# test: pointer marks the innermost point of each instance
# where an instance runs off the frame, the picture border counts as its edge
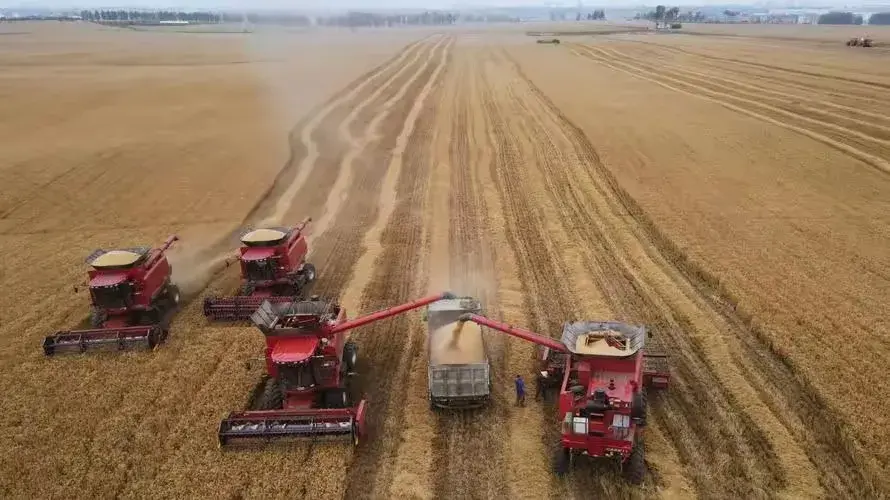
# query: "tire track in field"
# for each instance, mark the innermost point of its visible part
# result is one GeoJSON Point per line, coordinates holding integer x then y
{"type": "Point", "coordinates": [389, 258]}
{"type": "Point", "coordinates": [784, 100]}
{"type": "Point", "coordinates": [819, 85]}
{"type": "Point", "coordinates": [338, 192]}
{"type": "Point", "coordinates": [841, 471]}
{"type": "Point", "coordinates": [774, 68]}
{"type": "Point", "coordinates": [308, 144]}
{"type": "Point", "coordinates": [468, 268]}
{"type": "Point", "coordinates": [758, 90]}
{"type": "Point", "coordinates": [841, 133]}
{"type": "Point", "coordinates": [874, 161]}
{"type": "Point", "coordinates": [337, 252]}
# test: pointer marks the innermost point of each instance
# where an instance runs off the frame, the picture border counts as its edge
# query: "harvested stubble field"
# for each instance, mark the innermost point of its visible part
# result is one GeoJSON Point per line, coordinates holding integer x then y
{"type": "Point", "coordinates": [732, 196]}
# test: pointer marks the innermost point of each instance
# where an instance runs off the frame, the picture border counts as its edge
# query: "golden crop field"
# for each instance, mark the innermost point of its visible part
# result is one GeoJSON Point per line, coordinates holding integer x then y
{"type": "Point", "coordinates": [730, 192]}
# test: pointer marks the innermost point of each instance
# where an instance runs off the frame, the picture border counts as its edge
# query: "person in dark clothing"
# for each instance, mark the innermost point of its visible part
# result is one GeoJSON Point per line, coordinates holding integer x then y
{"type": "Point", "coordinates": [520, 391]}
{"type": "Point", "coordinates": [541, 381]}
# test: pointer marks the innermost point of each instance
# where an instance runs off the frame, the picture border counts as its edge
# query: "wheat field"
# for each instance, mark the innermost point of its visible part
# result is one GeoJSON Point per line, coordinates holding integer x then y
{"type": "Point", "coordinates": [730, 192]}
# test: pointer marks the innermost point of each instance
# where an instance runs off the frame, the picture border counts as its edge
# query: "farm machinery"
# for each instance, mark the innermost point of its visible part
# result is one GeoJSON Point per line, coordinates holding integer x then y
{"type": "Point", "coordinates": [860, 42]}
{"type": "Point", "coordinates": [554, 41]}
{"type": "Point", "coordinates": [601, 369]}
{"type": "Point", "coordinates": [273, 267]}
{"type": "Point", "coordinates": [132, 301]}
{"type": "Point", "coordinates": [310, 363]}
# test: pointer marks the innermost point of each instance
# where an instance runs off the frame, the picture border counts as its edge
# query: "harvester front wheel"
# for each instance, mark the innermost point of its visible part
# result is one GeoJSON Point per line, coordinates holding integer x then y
{"type": "Point", "coordinates": [336, 398]}
{"type": "Point", "coordinates": [271, 397]}
{"type": "Point", "coordinates": [173, 294]}
{"type": "Point", "coordinates": [97, 317]}
{"type": "Point", "coordinates": [350, 355]}
{"type": "Point", "coordinates": [309, 271]}
{"type": "Point", "coordinates": [635, 467]}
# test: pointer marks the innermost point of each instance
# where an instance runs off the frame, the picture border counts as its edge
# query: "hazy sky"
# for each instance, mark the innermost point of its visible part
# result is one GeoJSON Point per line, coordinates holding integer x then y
{"type": "Point", "coordinates": [342, 4]}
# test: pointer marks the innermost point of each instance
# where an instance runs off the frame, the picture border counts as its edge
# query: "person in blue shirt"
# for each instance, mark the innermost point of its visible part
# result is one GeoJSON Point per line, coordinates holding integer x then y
{"type": "Point", "coordinates": [520, 391]}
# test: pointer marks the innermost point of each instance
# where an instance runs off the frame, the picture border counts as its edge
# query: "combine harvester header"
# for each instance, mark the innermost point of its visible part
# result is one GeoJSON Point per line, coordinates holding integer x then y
{"type": "Point", "coordinates": [273, 267]}
{"type": "Point", "coordinates": [132, 300]}
{"type": "Point", "coordinates": [310, 365]}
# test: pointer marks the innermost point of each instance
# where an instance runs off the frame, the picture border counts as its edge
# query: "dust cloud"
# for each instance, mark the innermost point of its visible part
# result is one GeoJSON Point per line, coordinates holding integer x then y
{"type": "Point", "coordinates": [193, 269]}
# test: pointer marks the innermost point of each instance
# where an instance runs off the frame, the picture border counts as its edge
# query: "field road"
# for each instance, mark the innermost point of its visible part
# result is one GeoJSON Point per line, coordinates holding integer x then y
{"type": "Point", "coordinates": [736, 203]}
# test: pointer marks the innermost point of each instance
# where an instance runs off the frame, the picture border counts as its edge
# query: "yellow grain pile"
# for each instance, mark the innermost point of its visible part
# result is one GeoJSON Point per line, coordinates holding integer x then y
{"type": "Point", "coordinates": [456, 343]}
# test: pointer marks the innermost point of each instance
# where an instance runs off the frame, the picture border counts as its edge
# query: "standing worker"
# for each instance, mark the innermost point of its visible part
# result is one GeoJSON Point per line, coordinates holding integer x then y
{"type": "Point", "coordinates": [520, 391]}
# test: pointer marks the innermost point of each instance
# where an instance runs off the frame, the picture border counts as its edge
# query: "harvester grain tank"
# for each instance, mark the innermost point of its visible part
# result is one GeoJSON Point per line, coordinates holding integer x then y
{"type": "Point", "coordinates": [310, 363]}
{"type": "Point", "coordinates": [273, 267]}
{"type": "Point", "coordinates": [604, 369]}
{"type": "Point", "coordinates": [132, 301]}
{"type": "Point", "coordinates": [459, 372]}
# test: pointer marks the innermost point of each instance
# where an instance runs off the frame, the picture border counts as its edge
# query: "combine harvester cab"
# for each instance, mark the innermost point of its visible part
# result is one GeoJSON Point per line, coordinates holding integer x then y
{"type": "Point", "coordinates": [602, 370]}
{"type": "Point", "coordinates": [310, 365]}
{"type": "Point", "coordinates": [459, 372]}
{"type": "Point", "coordinates": [273, 267]}
{"type": "Point", "coordinates": [132, 301]}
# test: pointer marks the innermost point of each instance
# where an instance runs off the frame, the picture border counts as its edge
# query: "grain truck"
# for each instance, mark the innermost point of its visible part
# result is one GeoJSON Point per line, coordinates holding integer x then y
{"type": "Point", "coordinates": [459, 372]}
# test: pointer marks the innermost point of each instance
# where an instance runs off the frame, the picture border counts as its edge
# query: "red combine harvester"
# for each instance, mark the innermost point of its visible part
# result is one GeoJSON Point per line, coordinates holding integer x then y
{"type": "Point", "coordinates": [273, 267]}
{"type": "Point", "coordinates": [132, 297]}
{"type": "Point", "coordinates": [603, 369]}
{"type": "Point", "coordinates": [310, 363]}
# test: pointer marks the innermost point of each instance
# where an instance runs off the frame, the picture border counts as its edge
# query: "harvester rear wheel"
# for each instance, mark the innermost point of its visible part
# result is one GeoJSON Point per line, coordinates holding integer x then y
{"type": "Point", "coordinates": [173, 294]}
{"type": "Point", "coordinates": [271, 397]}
{"type": "Point", "coordinates": [635, 467]}
{"type": "Point", "coordinates": [562, 461]}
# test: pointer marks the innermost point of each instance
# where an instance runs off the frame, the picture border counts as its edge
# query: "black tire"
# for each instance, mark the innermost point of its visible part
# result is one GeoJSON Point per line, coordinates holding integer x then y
{"type": "Point", "coordinates": [336, 398]}
{"type": "Point", "coordinates": [635, 466]}
{"type": "Point", "coordinates": [639, 407]}
{"type": "Point", "coordinates": [350, 355]}
{"type": "Point", "coordinates": [562, 461]}
{"type": "Point", "coordinates": [309, 272]}
{"type": "Point", "coordinates": [271, 397]}
{"type": "Point", "coordinates": [97, 318]}
{"type": "Point", "coordinates": [174, 295]}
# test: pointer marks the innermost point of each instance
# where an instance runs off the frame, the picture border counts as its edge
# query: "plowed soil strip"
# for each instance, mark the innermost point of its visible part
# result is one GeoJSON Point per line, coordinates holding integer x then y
{"type": "Point", "coordinates": [390, 254]}
{"type": "Point", "coordinates": [791, 402]}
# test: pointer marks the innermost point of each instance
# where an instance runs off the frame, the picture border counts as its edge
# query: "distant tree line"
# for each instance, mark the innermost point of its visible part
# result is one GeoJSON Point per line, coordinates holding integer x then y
{"type": "Point", "coordinates": [365, 19]}
{"type": "Point", "coordinates": [593, 16]}
{"type": "Point", "coordinates": [840, 18]}
{"type": "Point", "coordinates": [662, 16]}
{"type": "Point", "coordinates": [880, 19]}
{"type": "Point", "coordinates": [350, 19]}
